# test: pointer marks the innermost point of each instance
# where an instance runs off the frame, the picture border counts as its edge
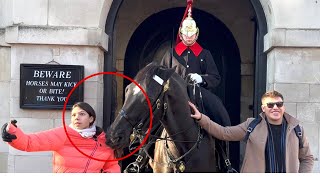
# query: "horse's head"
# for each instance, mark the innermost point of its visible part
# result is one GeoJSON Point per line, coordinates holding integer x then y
{"type": "Point", "coordinates": [134, 114]}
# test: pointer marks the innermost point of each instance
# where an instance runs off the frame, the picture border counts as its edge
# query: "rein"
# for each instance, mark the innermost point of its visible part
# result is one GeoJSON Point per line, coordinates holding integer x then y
{"type": "Point", "coordinates": [175, 163]}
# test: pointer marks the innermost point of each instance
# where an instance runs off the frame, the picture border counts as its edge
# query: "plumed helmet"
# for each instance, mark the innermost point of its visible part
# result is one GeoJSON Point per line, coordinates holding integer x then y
{"type": "Point", "coordinates": [189, 26]}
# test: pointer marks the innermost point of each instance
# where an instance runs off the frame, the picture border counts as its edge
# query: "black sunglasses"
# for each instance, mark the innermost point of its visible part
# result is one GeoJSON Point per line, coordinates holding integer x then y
{"type": "Point", "coordinates": [271, 104]}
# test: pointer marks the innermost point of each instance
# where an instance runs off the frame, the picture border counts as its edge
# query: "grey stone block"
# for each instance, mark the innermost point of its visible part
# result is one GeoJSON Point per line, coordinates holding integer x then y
{"type": "Point", "coordinates": [293, 92]}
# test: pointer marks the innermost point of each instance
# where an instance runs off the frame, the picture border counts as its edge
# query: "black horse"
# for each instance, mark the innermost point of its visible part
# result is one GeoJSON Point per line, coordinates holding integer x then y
{"type": "Point", "coordinates": [183, 146]}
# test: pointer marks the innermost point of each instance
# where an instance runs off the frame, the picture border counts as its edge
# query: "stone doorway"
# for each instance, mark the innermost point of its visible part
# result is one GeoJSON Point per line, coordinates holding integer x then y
{"type": "Point", "coordinates": [142, 31]}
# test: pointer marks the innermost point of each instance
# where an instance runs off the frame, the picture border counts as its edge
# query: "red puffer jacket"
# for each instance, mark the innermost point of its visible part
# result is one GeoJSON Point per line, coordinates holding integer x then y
{"type": "Point", "coordinates": [66, 158]}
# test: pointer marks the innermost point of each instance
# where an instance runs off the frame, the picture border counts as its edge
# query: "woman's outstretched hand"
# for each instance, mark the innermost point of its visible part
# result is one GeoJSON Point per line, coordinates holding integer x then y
{"type": "Point", "coordinates": [7, 137]}
{"type": "Point", "coordinates": [195, 112]}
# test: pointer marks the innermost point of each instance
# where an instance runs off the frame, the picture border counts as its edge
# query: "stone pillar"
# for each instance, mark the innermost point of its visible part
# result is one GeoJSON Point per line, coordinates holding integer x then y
{"type": "Point", "coordinates": [5, 69]}
{"type": "Point", "coordinates": [294, 70]}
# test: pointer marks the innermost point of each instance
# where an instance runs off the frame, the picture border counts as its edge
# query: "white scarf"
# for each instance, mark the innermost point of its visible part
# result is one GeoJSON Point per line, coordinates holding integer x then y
{"type": "Point", "coordinates": [86, 133]}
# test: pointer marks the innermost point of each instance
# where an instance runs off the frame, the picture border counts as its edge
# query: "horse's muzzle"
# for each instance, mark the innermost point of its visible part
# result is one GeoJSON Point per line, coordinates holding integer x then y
{"type": "Point", "coordinates": [116, 139]}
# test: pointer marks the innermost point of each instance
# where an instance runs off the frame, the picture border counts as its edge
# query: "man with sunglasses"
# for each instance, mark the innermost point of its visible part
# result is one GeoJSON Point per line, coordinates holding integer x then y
{"type": "Point", "coordinates": [273, 146]}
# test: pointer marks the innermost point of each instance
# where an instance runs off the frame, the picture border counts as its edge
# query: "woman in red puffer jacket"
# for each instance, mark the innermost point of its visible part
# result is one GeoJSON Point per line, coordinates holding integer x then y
{"type": "Point", "coordinates": [86, 137]}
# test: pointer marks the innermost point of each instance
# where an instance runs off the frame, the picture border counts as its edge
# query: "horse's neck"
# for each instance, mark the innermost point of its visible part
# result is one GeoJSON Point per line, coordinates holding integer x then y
{"type": "Point", "coordinates": [182, 129]}
{"type": "Point", "coordinates": [178, 122]}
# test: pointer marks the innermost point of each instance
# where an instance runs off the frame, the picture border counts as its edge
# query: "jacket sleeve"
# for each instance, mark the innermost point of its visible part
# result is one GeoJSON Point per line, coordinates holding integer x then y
{"type": "Point", "coordinates": [228, 133]}
{"type": "Point", "coordinates": [212, 77]}
{"type": "Point", "coordinates": [111, 166]}
{"type": "Point", "coordinates": [305, 156]}
{"type": "Point", "coordinates": [42, 141]}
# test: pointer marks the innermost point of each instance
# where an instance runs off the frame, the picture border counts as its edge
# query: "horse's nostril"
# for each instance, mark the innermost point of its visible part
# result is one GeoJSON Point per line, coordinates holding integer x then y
{"type": "Point", "coordinates": [115, 140]}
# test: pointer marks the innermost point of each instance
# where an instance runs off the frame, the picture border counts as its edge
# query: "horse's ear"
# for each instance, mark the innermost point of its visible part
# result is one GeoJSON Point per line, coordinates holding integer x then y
{"type": "Point", "coordinates": [174, 67]}
{"type": "Point", "coordinates": [165, 73]}
{"type": "Point", "coordinates": [171, 71]}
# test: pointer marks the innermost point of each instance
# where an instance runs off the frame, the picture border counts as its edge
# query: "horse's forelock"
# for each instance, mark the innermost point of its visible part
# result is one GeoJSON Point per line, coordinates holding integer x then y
{"type": "Point", "coordinates": [150, 70]}
{"type": "Point", "coordinates": [145, 76]}
{"type": "Point", "coordinates": [146, 72]}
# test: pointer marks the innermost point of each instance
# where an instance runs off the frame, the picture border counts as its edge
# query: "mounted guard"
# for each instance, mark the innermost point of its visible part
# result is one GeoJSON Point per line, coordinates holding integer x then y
{"type": "Point", "coordinates": [197, 66]}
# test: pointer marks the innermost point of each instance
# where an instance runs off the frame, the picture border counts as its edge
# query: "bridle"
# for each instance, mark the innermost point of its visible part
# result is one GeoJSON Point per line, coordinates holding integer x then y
{"type": "Point", "coordinates": [176, 163]}
{"type": "Point", "coordinates": [137, 129]}
{"type": "Point", "coordinates": [156, 107]}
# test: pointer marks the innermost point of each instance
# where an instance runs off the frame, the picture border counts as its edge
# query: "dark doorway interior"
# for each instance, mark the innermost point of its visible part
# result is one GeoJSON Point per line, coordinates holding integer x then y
{"type": "Point", "coordinates": [158, 32]}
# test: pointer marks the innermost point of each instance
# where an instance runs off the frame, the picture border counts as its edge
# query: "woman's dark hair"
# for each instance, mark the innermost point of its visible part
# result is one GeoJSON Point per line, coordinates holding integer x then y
{"type": "Point", "coordinates": [85, 106]}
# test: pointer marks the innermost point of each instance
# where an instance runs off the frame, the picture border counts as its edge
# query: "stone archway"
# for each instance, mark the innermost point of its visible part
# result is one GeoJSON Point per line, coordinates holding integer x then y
{"type": "Point", "coordinates": [150, 43]}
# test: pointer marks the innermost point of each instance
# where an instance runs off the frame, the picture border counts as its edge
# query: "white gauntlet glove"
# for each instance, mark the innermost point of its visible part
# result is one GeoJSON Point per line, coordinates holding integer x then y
{"type": "Point", "coordinates": [196, 78]}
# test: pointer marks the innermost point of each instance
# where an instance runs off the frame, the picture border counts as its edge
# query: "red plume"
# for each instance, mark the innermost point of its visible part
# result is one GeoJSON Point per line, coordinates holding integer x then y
{"type": "Point", "coordinates": [189, 2]}
{"type": "Point", "coordinates": [189, 5]}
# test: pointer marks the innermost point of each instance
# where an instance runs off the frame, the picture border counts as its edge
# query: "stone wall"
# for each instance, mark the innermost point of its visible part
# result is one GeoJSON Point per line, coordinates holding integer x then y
{"type": "Point", "coordinates": [293, 66]}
